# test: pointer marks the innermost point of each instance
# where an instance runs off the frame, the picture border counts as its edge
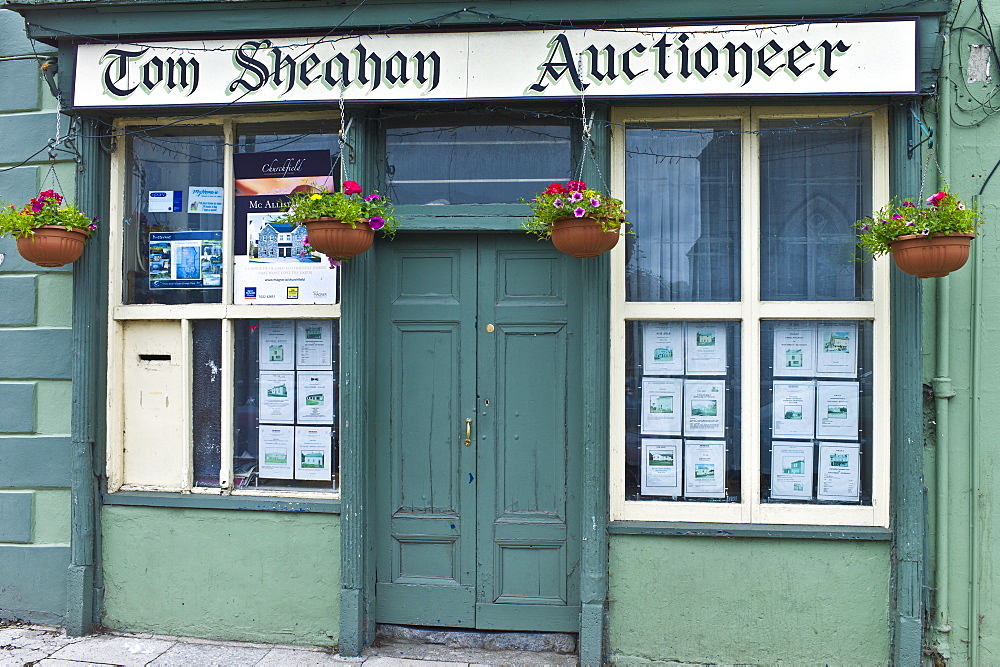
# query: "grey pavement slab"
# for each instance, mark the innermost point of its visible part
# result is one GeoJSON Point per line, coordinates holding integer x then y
{"type": "Point", "coordinates": [288, 657]}
{"type": "Point", "coordinates": [116, 650]}
{"type": "Point", "coordinates": [209, 655]}
{"type": "Point", "coordinates": [56, 662]}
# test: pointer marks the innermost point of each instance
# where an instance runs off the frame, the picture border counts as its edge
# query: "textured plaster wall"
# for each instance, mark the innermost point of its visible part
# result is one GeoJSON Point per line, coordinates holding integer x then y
{"type": "Point", "coordinates": [241, 575]}
{"type": "Point", "coordinates": [748, 601]}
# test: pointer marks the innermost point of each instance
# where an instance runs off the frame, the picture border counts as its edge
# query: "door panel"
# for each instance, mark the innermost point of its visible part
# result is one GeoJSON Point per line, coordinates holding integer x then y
{"type": "Point", "coordinates": [485, 535]}
{"type": "Point", "coordinates": [426, 550]}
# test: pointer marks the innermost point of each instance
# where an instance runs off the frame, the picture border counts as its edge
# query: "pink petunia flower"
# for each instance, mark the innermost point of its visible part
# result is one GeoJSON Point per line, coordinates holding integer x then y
{"type": "Point", "coordinates": [909, 203]}
{"type": "Point", "coordinates": [594, 201]}
{"type": "Point", "coordinates": [371, 197]}
{"type": "Point", "coordinates": [579, 212]}
{"type": "Point", "coordinates": [376, 222]}
{"type": "Point", "coordinates": [334, 262]}
{"type": "Point", "coordinates": [576, 196]}
{"type": "Point", "coordinates": [898, 217]}
{"type": "Point", "coordinates": [936, 198]}
{"type": "Point", "coordinates": [351, 188]}
{"type": "Point", "coordinates": [557, 203]}
{"type": "Point", "coordinates": [925, 232]}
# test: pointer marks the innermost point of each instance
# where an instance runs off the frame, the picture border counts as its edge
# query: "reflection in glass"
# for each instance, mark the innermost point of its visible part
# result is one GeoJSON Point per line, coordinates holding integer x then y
{"type": "Point", "coordinates": [816, 412]}
{"type": "Point", "coordinates": [286, 404]}
{"type": "Point", "coordinates": [682, 405]}
{"type": "Point", "coordinates": [206, 400]}
{"type": "Point", "coordinates": [682, 190]}
{"type": "Point", "coordinates": [475, 164]}
{"type": "Point", "coordinates": [815, 181]}
{"type": "Point", "coordinates": [172, 254]}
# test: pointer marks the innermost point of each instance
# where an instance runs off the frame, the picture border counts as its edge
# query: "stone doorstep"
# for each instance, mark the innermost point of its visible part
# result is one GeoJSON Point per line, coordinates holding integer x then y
{"type": "Point", "coordinates": [490, 640]}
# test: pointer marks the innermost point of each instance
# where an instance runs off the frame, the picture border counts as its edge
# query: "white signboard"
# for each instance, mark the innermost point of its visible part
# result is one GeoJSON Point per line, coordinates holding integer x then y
{"type": "Point", "coordinates": [771, 58]}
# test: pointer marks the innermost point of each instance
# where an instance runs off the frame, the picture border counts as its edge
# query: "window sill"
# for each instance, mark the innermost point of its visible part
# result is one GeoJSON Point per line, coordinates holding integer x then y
{"type": "Point", "coordinates": [218, 502]}
{"type": "Point", "coordinates": [861, 533]}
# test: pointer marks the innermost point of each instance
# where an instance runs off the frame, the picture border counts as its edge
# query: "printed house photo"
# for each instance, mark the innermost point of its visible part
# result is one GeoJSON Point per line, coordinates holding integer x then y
{"type": "Point", "coordinates": [662, 405]}
{"type": "Point", "coordinates": [704, 408]}
{"type": "Point", "coordinates": [663, 354]}
{"type": "Point", "coordinates": [665, 459]}
{"type": "Point", "coordinates": [704, 471]}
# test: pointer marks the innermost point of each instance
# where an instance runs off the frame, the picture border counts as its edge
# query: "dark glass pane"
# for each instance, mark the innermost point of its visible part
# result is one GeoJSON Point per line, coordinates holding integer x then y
{"type": "Point", "coordinates": [475, 164]}
{"type": "Point", "coordinates": [206, 400]}
{"type": "Point", "coordinates": [171, 254]}
{"type": "Point", "coordinates": [682, 411]}
{"type": "Point", "coordinates": [816, 412]}
{"type": "Point", "coordinates": [682, 190]}
{"type": "Point", "coordinates": [815, 182]}
{"type": "Point", "coordinates": [286, 404]}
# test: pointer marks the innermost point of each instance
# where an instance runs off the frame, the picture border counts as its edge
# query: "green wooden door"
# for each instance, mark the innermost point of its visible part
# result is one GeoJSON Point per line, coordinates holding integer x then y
{"type": "Point", "coordinates": [482, 328]}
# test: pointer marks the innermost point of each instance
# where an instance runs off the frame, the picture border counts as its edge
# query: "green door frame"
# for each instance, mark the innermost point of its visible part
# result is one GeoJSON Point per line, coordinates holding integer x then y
{"type": "Point", "coordinates": [357, 626]}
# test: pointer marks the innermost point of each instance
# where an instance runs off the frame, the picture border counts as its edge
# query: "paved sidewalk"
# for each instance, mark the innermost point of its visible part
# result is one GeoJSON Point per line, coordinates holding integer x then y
{"type": "Point", "coordinates": [30, 645]}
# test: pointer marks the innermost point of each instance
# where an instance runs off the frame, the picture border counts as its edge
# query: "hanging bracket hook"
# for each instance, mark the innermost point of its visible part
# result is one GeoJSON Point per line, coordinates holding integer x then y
{"type": "Point", "coordinates": [928, 133]}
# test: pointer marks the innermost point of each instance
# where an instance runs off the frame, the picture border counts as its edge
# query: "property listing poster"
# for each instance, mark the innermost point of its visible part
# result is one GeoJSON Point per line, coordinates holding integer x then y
{"type": "Point", "coordinates": [795, 349]}
{"type": "Point", "coordinates": [276, 342]}
{"type": "Point", "coordinates": [185, 260]}
{"type": "Point", "coordinates": [792, 470]}
{"type": "Point", "coordinates": [663, 348]}
{"type": "Point", "coordinates": [314, 390]}
{"type": "Point", "coordinates": [662, 405]}
{"type": "Point", "coordinates": [705, 408]}
{"type": "Point", "coordinates": [839, 474]}
{"type": "Point", "coordinates": [837, 405]}
{"type": "Point", "coordinates": [704, 469]}
{"type": "Point", "coordinates": [276, 394]}
{"type": "Point", "coordinates": [312, 452]}
{"type": "Point", "coordinates": [275, 451]}
{"type": "Point", "coordinates": [705, 348]}
{"type": "Point", "coordinates": [661, 467]}
{"type": "Point", "coordinates": [837, 349]}
{"type": "Point", "coordinates": [314, 344]}
{"type": "Point", "coordinates": [272, 264]}
{"type": "Point", "coordinates": [793, 409]}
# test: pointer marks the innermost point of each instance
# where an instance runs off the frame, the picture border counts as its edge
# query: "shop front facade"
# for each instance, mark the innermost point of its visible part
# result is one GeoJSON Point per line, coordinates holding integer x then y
{"type": "Point", "coordinates": [703, 446]}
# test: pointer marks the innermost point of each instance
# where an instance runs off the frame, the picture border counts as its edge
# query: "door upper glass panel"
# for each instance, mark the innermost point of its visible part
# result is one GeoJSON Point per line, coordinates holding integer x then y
{"type": "Point", "coordinates": [475, 163]}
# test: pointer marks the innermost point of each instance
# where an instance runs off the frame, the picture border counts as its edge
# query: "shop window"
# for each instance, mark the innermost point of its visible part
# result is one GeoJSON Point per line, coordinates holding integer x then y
{"type": "Point", "coordinates": [224, 325]}
{"type": "Point", "coordinates": [485, 161]}
{"type": "Point", "coordinates": [753, 342]}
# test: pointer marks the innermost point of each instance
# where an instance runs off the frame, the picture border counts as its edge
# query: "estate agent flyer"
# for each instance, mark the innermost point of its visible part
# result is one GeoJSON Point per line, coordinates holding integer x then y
{"type": "Point", "coordinates": [276, 390]}
{"type": "Point", "coordinates": [839, 471]}
{"type": "Point", "coordinates": [274, 453]}
{"type": "Point", "coordinates": [791, 470]}
{"type": "Point", "coordinates": [185, 260]}
{"type": "Point", "coordinates": [312, 452]}
{"type": "Point", "coordinates": [663, 348]}
{"type": "Point", "coordinates": [837, 410]}
{"type": "Point", "coordinates": [705, 348]}
{"type": "Point", "coordinates": [314, 344]}
{"type": "Point", "coordinates": [273, 263]}
{"type": "Point", "coordinates": [315, 397]}
{"type": "Point", "coordinates": [793, 409]}
{"type": "Point", "coordinates": [661, 406]}
{"type": "Point", "coordinates": [704, 469]}
{"type": "Point", "coordinates": [794, 349]}
{"type": "Point", "coordinates": [705, 408]}
{"type": "Point", "coordinates": [661, 467]}
{"type": "Point", "coordinates": [837, 349]}
{"type": "Point", "coordinates": [276, 345]}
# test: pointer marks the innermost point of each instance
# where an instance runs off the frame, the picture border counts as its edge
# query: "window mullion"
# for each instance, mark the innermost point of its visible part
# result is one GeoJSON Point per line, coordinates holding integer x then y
{"type": "Point", "coordinates": [186, 477]}
{"type": "Point", "coordinates": [228, 212]}
{"type": "Point", "coordinates": [226, 418]}
{"type": "Point", "coordinates": [750, 336]}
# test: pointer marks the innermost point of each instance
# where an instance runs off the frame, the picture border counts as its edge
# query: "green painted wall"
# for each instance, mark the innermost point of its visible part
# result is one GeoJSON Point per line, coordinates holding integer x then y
{"type": "Point", "coordinates": [35, 388]}
{"type": "Point", "coordinates": [748, 601]}
{"type": "Point", "coordinates": [965, 624]}
{"type": "Point", "coordinates": [240, 575]}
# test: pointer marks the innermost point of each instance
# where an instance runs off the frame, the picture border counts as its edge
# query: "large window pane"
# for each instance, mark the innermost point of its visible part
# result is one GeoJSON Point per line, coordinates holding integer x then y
{"type": "Point", "coordinates": [682, 190]}
{"type": "Point", "coordinates": [815, 181]}
{"type": "Point", "coordinates": [172, 240]}
{"type": "Point", "coordinates": [682, 403]}
{"type": "Point", "coordinates": [816, 412]}
{"type": "Point", "coordinates": [475, 164]}
{"type": "Point", "coordinates": [286, 404]}
{"type": "Point", "coordinates": [206, 400]}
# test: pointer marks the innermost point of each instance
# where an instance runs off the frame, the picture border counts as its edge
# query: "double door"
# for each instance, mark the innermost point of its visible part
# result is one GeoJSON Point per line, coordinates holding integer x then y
{"type": "Point", "coordinates": [477, 432]}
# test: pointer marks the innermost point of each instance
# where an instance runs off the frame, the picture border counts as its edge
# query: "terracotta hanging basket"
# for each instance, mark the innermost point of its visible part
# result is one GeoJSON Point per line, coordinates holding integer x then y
{"type": "Point", "coordinates": [337, 239]}
{"type": "Point", "coordinates": [52, 245]}
{"type": "Point", "coordinates": [583, 237]}
{"type": "Point", "coordinates": [931, 256]}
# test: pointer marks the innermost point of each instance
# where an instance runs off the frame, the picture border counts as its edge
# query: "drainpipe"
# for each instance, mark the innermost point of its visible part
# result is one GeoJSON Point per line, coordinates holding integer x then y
{"type": "Point", "coordinates": [942, 384]}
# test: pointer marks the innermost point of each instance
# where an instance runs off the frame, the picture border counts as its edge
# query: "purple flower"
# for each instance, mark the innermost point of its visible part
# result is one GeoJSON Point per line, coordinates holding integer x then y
{"type": "Point", "coordinates": [92, 226]}
{"type": "Point", "coordinates": [898, 217]}
{"type": "Point", "coordinates": [926, 232]}
{"type": "Point", "coordinates": [910, 223]}
{"type": "Point", "coordinates": [865, 228]}
{"type": "Point", "coordinates": [579, 212]}
{"type": "Point", "coordinates": [884, 222]}
{"type": "Point", "coordinates": [334, 262]}
{"type": "Point", "coordinates": [594, 201]}
{"type": "Point", "coordinates": [558, 203]}
{"type": "Point", "coordinates": [376, 222]}
{"type": "Point", "coordinates": [371, 197]}
{"type": "Point", "coordinates": [576, 196]}
{"type": "Point", "coordinates": [961, 207]}
{"type": "Point", "coordinates": [909, 203]}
